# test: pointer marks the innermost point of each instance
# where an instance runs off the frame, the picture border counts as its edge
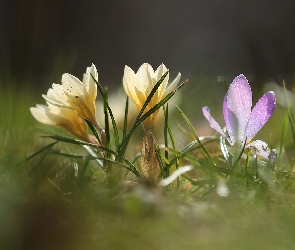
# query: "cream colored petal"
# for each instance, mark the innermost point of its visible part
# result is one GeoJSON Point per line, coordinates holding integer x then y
{"type": "Point", "coordinates": [71, 121]}
{"type": "Point", "coordinates": [65, 118]}
{"type": "Point", "coordinates": [57, 110]}
{"type": "Point", "coordinates": [78, 97]}
{"type": "Point", "coordinates": [59, 94]}
{"type": "Point", "coordinates": [40, 114]}
{"type": "Point", "coordinates": [139, 87]}
{"type": "Point", "coordinates": [129, 79]}
{"type": "Point", "coordinates": [172, 85]}
{"type": "Point", "coordinates": [70, 114]}
{"type": "Point", "coordinates": [161, 70]}
{"type": "Point", "coordinates": [54, 99]}
{"type": "Point", "coordinates": [144, 79]}
{"type": "Point", "coordinates": [72, 85]}
{"type": "Point", "coordinates": [63, 113]}
{"type": "Point", "coordinates": [89, 83]}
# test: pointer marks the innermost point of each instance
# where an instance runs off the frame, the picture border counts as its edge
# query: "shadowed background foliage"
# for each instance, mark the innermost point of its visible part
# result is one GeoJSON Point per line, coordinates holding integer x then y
{"type": "Point", "coordinates": [41, 39]}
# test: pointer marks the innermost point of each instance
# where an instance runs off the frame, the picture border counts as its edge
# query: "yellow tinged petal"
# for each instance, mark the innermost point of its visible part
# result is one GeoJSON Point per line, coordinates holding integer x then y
{"type": "Point", "coordinates": [65, 118]}
{"type": "Point", "coordinates": [39, 113]}
{"type": "Point", "coordinates": [89, 83]}
{"type": "Point", "coordinates": [144, 81]}
{"type": "Point", "coordinates": [139, 86]}
{"type": "Point", "coordinates": [129, 79]}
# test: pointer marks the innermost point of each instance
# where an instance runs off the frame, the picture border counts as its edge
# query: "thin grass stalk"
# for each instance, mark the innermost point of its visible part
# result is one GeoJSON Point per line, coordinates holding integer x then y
{"type": "Point", "coordinates": [131, 167]}
{"type": "Point", "coordinates": [284, 135]}
{"type": "Point", "coordinates": [126, 117]}
{"type": "Point", "coordinates": [135, 158]}
{"type": "Point", "coordinates": [160, 161]}
{"type": "Point", "coordinates": [93, 129]}
{"type": "Point", "coordinates": [237, 155]}
{"type": "Point", "coordinates": [49, 146]}
{"type": "Point", "coordinates": [116, 133]}
{"type": "Point", "coordinates": [173, 144]}
{"type": "Point", "coordinates": [165, 110]}
{"type": "Point", "coordinates": [107, 164]}
{"type": "Point", "coordinates": [290, 113]}
{"type": "Point", "coordinates": [224, 151]}
{"type": "Point", "coordinates": [246, 167]}
{"type": "Point", "coordinates": [205, 152]}
{"type": "Point", "coordinates": [191, 146]}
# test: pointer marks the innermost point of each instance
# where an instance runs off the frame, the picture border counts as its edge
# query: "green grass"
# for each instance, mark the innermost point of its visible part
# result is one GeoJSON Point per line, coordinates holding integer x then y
{"type": "Point", "coordinates": [47, 203]}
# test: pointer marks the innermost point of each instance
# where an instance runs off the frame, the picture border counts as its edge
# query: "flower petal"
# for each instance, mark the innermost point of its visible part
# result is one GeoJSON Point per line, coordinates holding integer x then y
{"type": "Point", "coordinates": [172, 85]}
{"type": "Point", "coordinates": [65, 118]}
{"type": "Point", "coordinates": [161, 70]}
{"type": "Point", "coordinates": [214, 124]}
{"type": "Point", "coordinates": [237, 107]}
{"type": "Point", "coordinates": [145, 79]}
{"type": "Point", "coordinates": [129, 79]}
{"type": "Point", "coordinates": [89, 83]}
{"type": "Point", "coordinates": [231, 121]}
{"type": "Point", "coordinates": [40, 114]}
{"type": "Point", "coordinates": [72, 85]}
{"type": "Point", "coordinates": [261, 148]}
{"type": "Point", "coordinates": [56, 96]}
{"type": "Point", "coordinates": [260, 114]}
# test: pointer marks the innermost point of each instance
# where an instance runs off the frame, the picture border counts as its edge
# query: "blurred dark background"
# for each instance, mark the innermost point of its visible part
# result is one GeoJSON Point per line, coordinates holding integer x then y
{"type": "Point", "coordinates": [42, 38]}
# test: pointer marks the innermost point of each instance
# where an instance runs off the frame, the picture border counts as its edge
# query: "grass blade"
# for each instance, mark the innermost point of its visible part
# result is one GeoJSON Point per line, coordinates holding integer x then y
{"type": "Point", "coordinates": [126, 117]}
{"type": "Point", "coordinates": [47, 147]}
{"type": "Point", "coordinates": [290, 113]}
{"type": "Point", "coordinates": [207, 155]}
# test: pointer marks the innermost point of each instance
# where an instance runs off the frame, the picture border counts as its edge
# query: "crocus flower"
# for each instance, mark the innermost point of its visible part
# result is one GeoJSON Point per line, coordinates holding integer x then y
{"type": "Point", "coordinates": [65, 118]}
{"type": "Point", "coordinates": [242, 124]}
{"type": "Point", "coordinates": [76, 95]}
{"type": "Point", "coordinates": [139, 85]}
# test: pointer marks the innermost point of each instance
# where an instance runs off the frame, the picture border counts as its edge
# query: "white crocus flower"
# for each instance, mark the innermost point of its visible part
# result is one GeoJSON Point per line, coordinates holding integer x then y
{"type": "Point", "coordinates": [65, 118]}
{"type": "Point", "coordinates": [76, 95]}
{"type": "Point", "coordinates": [139, 85]}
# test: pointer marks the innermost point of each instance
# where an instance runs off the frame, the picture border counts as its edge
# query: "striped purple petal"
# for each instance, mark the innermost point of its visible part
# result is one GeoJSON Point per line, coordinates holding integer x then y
{"type": "Point", "coordinates": [230, 120]}
{"type": "Point", "coordinates": [260, 114]}
{"type": "Point", "coordinates": [237, 107]}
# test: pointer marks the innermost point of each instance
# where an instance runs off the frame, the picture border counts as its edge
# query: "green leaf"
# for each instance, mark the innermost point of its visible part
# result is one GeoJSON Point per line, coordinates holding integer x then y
{"type": "Point", "coordinates": [160, 161]}
{"type": "Point", "coordinates": [47, 147]}
{"type": "Point", "coordinates": [155, 108]}
{"type": "Point", "coordinates": [93, 129]}
{"type": "Point", "coordinates": [225, 152]}
{"type": "Point", "coordinates": [132, 167]}
{"type": "Point", "coordinates": [70, 140]}
{"type": "Point", "coordinates": [206, 154]}
{"type": "Point", "coordinates": [290, 113]}
{"type": "Point", "coordinates": [126, 117]}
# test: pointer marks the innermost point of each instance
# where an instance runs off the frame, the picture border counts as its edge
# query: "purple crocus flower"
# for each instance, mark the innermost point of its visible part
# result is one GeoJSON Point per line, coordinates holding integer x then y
{"type": "Point", "coordinates": [242, 124]}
